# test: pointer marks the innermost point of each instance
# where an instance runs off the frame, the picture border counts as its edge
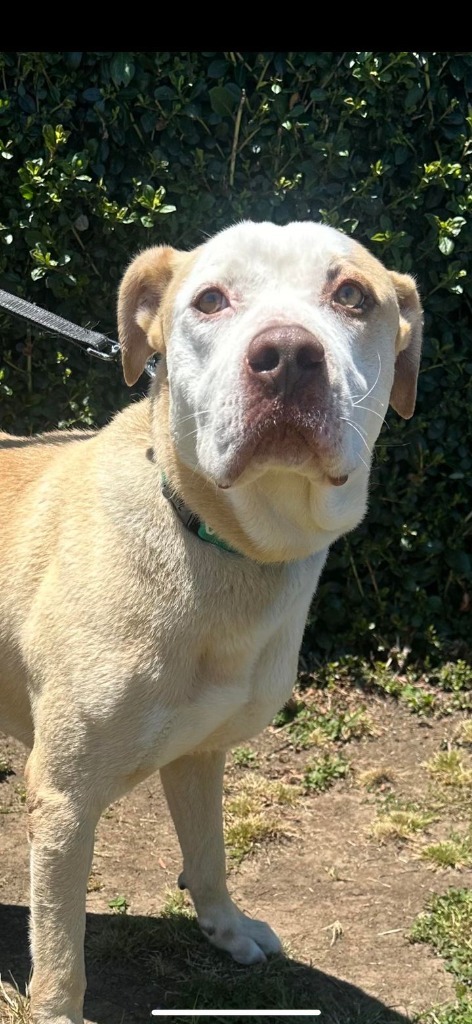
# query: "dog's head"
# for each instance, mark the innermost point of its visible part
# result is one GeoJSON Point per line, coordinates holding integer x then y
{"type": "Point", "coordinates": [283, 347]}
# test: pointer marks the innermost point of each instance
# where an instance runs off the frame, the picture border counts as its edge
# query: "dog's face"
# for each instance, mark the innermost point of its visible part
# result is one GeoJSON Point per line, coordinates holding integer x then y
{"type": "Point", "coordinates": [284, 346]}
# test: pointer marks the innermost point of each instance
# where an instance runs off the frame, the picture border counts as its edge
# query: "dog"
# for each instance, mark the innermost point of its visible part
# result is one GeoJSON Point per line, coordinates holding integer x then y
{"type": "Point", "coordinates": [156, 574]}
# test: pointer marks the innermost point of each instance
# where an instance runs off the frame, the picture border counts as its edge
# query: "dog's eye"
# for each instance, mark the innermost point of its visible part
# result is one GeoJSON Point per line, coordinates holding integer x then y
{"type": "Point", "coordinates": [211, 301]}
{"type": "Point", "coordinates": [350, 296]}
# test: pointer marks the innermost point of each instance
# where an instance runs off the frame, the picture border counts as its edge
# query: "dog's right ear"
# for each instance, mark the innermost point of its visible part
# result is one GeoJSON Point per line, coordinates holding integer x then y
{"type": "Point", "coordinates": [141, 292]}
{"type": "Point", "coordinates": [408, 345]}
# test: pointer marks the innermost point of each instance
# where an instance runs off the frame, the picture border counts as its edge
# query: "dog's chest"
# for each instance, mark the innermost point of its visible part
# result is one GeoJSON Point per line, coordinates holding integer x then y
{"type": "Point", "coordinates": [231, 661]}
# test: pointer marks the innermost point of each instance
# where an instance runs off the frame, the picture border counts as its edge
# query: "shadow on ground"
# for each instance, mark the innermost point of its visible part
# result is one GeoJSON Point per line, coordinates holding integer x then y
{"type": "Point", "coordinates": [136, 964]}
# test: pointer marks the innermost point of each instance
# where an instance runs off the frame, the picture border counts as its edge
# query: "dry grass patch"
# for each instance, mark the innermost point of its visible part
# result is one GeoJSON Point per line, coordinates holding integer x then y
{"type": "Point", "coordinates": [260, 791]}
{"type": "Point", "coordinates": [450, 768]}
{"type": "Point", "coordinates": [464, 734]}
{"type": "Point", "coordinates": [376, 777]}
{"type": "Point", "coordinates": [14, 1008]}
{"type": "Point", "coordinates": [400, 823]}
{"type": "Point", "coordinates": [455, 852]}
{"type": "Point", "coordinates": [94, 883]}
{"type": "Point", "coordinates": [253, 813]}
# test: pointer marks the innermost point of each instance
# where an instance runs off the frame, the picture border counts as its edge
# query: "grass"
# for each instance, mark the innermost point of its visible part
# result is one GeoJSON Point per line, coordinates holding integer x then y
{"type": "Point", "coordinates": [244, 757]}
{"type": "Point", "coordinates": [423, 690]}
{"type": "Point", "coordinates": [322, 771]}
{"type": "Point", "coordinates": [190, 973]}
{"type": "Point", "coordinates": [446, 925]}
{"type": "Point", "coordinates": [449, 768]}
{"type": "Point", "coordinates": [144, 942]}
{"type": "Point", "coordinates": [253, 813]}
{"type": "Point", "coordinates": [376, 777]}
{"type": "Point", "coordinates": [310, 728]}
{"type": "Point", "coordinates": [94, 883]}
{"type": "Point", "coordinates": [459, 1013]}
{"type": "Point", "coordinates": [418, 700]}
{"type": "Point", "coordinates": [454, 676]}
{"type": "Point", "coordinates": [455, 852]}
{"type": "Point", "coordinates": [14, 1008]}
{"type": "Point", "coordinates": [119, 905]}
{"type": "Point", "coordinates": [464, 734]}
{"type": "Point", "coordinates": [247, 829]}
{"type": "Point", "coordinates": [400, 821]}
{"type": "Point", "coordinates": [451, 773]}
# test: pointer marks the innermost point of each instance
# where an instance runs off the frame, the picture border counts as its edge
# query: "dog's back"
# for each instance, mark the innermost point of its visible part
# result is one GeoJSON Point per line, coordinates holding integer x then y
{"type": "Point", "coordinates": [25, 492]}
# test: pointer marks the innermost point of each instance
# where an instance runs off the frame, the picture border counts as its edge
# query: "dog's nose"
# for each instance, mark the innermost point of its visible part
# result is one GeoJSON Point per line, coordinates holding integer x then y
{"type": "Point", "coordinates": [283, 357]}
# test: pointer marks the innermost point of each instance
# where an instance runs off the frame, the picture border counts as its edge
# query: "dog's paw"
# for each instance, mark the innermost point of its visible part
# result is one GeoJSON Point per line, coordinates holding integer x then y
{"type": "Point", "coordinates": [248, 941]}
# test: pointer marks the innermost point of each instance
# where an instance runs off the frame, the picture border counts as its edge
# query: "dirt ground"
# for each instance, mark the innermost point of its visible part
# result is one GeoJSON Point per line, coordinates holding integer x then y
{"type": "Point", "coordinates": [342, 901]}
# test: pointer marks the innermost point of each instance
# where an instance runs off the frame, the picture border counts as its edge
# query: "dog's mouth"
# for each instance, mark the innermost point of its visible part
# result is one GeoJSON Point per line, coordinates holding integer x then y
{"type": "Point", "coordinates": [290, 439]}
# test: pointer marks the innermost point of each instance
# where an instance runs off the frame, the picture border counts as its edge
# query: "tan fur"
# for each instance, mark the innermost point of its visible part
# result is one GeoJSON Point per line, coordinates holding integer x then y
{"type": "Point", "coordinates": [128, 645]}
{"type": "Point", "coordinates": [154, 275]}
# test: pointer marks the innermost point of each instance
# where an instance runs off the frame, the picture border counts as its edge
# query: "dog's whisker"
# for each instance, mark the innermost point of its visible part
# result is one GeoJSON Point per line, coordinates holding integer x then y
{"type": "Point", "coordinates": [354, 427]}
{"type": "Point", "coordinates": [362, 397]}
{"type": "Point", "coordinates": [361, 429]}
{"type": "Point", "coordinates": [191, 433]}
{"type": "Point", "coordinates": [193, 415]}
{"type": "Point", "coordinates": [365, 408]}
{"type": "Point", "coordinates": [374, 385]}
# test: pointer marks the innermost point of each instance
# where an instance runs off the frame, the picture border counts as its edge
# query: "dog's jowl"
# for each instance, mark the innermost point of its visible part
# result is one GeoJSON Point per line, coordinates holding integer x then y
{"type": "Point", "coordinates": [156, 575]}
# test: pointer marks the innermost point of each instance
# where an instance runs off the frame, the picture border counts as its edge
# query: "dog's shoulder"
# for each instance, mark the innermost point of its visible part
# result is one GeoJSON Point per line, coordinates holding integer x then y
{"type": "Point", "coordinates": [24, 461]}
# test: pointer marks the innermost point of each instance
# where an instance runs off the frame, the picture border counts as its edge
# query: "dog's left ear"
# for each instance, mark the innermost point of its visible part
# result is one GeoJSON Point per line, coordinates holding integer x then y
{"type": "Point", "coordinates": [141, 293]}
{"type": "Point", "coordinates": [407, 346]}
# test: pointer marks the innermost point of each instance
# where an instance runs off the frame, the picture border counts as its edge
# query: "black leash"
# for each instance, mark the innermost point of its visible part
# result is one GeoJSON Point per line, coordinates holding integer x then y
{"type": "Point", "coordinates": [95, 344]}
{"type": "Point", "coordinates": [104, 348]}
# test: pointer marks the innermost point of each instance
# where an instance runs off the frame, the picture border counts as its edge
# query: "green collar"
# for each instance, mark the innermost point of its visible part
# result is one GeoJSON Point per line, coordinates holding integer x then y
{"type": "Point", "coordinates": [191, 521]}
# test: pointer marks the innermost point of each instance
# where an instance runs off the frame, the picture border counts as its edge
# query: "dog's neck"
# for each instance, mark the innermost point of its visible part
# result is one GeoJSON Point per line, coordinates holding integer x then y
{"type": "Point", "coordinates": [280, 516]}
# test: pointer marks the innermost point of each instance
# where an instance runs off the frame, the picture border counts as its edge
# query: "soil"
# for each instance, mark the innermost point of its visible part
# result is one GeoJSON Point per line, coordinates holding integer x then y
{"type": "Point", "coordinates": [342, 902]}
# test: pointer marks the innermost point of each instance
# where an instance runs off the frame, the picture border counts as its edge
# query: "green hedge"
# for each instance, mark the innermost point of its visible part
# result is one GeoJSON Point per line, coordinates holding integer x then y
{"type": "Point", "coordinates": [103, 153]}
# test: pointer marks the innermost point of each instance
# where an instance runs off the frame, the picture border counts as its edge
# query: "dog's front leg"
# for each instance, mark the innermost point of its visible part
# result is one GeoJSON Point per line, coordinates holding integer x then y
{"type": "Point", "coordinates": [194, 787]}
{"type": "Point", "coordinates": [61, 831]}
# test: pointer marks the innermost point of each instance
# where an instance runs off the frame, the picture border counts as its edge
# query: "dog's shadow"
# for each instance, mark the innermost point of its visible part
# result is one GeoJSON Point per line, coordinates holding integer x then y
{"type": "Point", "coordinates": [137, 964]}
